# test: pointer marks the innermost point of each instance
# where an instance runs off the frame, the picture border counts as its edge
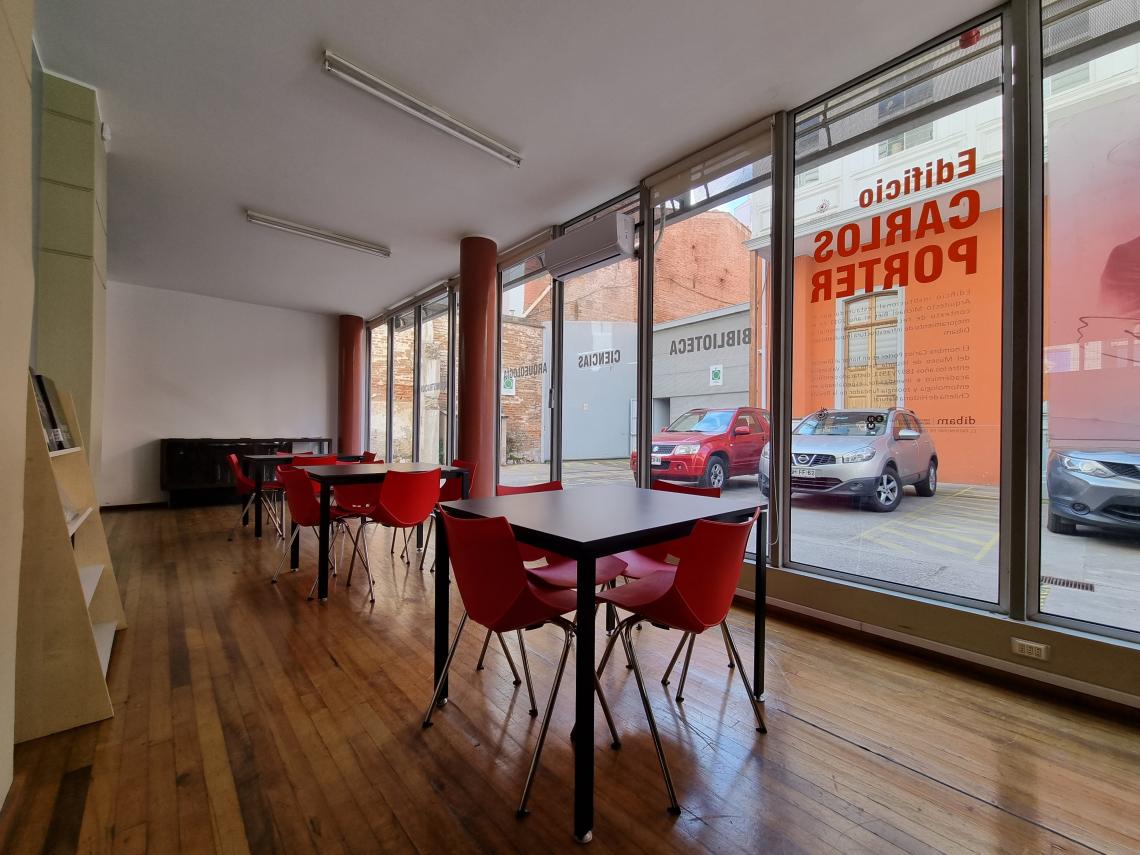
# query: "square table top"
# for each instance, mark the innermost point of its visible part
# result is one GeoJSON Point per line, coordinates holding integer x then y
{"type": "Point", "coordinates": [363, 473]}
{"type": "Point", "coordinates": [603, 518]}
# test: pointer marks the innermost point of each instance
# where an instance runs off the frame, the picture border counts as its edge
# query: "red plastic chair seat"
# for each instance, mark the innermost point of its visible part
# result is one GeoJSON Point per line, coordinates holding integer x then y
{"type": "Point", "coordinates": [563, 572]}
{"type": "Point", "coordinates": [640, 564]}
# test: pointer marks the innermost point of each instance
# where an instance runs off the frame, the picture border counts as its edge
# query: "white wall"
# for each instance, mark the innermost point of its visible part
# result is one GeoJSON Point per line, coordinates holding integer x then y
{"type": "Point", "coordinates": [183, 365]}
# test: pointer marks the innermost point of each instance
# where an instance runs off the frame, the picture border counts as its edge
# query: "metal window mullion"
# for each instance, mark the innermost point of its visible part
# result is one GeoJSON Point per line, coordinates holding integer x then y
{"type": "Point", "coordinates": [498, 374]}
{"type": "Point", "coordinates": [452, 365]}
{"type": "Point", "coordinates": [417, 345]}
{"type": "Point", "coordinates": [644, 336]}
{"type": "Point", "coordinates": [1022, 185]}
{"type": "Point", "coordinates": [780, 325]}
{"type": "Point", "coordinates": [557, 371]}
{"type": "Point", "coordinates": [389, 387]}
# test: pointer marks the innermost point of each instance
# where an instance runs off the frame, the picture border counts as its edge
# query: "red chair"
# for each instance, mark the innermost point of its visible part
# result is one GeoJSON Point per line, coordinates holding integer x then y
{"type": "Point", "coordinates": [368, 457]}
{"type": "Point", "coordinates": [358, 502]}
{"type": "Point", "coordinates": [498, 593]}
{"type": "Point", "coordinates": [305, 510]}
{"type": "Point", "coordinates": [451, 490]}
{"type": "Point", "coordinates": [407, 499]}
{"type": "Point", "coordinates": [692, 598]}
{"type": "Point", "coordinates": [550, 568]}
{"type": "Point", "coordinates": [245, 486]}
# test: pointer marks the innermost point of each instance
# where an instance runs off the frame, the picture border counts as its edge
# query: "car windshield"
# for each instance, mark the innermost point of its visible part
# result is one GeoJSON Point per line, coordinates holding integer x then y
{"type": "Point", "coordinates": [701, 421]}
{"type": "Point", "coordinates": [843, 423]}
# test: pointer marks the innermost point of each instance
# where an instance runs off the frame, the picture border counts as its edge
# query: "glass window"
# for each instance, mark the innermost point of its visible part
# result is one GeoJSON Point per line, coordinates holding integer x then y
{"type": "Point", "coordinates": [378, 390]}
{"type": "Point", "coordinates": [897, 306]}
{"type": "Point", "coordinates": [599, 375]}
{"type": "Point", "coordinates": [1090, 421]}
{"type": "Point", "coordinates": [434, 367]}
{"type": "Point", "coordinates": [403, 380]}
{"type": "Point", "coordinates": [524, 394]}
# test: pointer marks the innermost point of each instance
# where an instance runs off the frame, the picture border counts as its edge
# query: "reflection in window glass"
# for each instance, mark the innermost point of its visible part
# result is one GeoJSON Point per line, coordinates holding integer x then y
{"type": "Point", "coordinates": [378, 391]}
{"type": "Point", "coordinates": [433, 381]}
{"type": "Point", "coordinates": [403, 358]}
{"type": "Point", "coordinates": [599, 375]}
{"type": "Point", "coordinates": [897, 308]}
{"type": "Point", "coordinates": [524, 399]}
{"type": "Point", "coordinates": [1090, 538]}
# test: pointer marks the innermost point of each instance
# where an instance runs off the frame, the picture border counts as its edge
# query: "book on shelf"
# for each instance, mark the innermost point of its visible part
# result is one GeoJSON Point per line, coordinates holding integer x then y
{"type": "Point", "coordinates": [45, 414]}
{"type": "Point", "coordinates": [59, 435]}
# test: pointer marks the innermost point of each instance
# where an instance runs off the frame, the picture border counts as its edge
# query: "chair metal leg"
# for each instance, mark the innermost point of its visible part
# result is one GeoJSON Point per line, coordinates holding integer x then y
{"type": "Point", "coordinates": [685, 668]}
{"type": "Point", "coordinates": [241, 516]}
{"type": "Point", "coordinates": [761, 725]}
{"type": "Point", "coordinates": [393, 550]}
{"type": "Point", "coordinates": [613, 637]}
{"type": "Point", "coordinates": [367, 562]}
{"type": "Point", "coordinates": [510, 659]}
{"type": "Point", "coordinates": [526, 673]}
{"type": "Point", "coordinates": [616, 742]}
{"type": "Point", "coordinates": [427, 537]}
{"type": "Point", "coordinates": [352, 563]}
{"type": "Point", "coordinates": [446, 668]}
{"type": "Point", "coordinates": [284, 557]}
{"type": "Point", "coordinates": [483, 652]}
{"type": "Point", "coordinates": [567, 628]}
{"type": "Point", "coordinates": [674, 808]}
{"type": "Point", "coordinates": [676, 656]}
{"type": "Point", "coordinates": [728, 652]}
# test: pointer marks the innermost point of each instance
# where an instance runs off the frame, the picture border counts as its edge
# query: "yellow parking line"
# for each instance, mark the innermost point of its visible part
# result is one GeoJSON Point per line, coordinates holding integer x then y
{"type": "Point", "coordinates": [944, 546]}
{"type": "Point", "coordinates": [887, 543]}
{"type": "Point", "coordinates": [989, 545]}
{"type": "Point", "coordinates": [944, 531]}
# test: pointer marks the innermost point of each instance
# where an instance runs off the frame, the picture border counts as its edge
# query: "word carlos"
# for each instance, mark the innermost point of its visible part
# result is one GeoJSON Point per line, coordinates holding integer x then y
{"type": "Point", "coordinates": [897, 228]}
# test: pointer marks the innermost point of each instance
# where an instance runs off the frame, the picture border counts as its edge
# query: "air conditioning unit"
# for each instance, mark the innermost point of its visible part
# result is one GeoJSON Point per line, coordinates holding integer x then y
{"type": "Point", "coordinates": [604, 241]}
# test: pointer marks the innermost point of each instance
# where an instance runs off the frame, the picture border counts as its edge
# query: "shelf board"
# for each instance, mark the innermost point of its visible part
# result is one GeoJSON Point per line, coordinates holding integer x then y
{"type": "Point", "coordinates": [104, 640]}
{"type": "Point", "coordinates": [89, 577]}
{"type": "Point", "coordinates": [61, 452]}
{"type": "Point", "coordinates": [74, 524]}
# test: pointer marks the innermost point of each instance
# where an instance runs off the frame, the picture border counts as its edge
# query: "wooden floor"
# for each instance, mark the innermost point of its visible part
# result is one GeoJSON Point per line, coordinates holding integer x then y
{"type": "Point", "coordinates": [250, 720]}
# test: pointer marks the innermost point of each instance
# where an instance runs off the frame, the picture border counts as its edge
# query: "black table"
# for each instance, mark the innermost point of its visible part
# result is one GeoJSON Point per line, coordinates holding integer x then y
{"type": "Point", "coordinates": [259, 462]}
{"type": "Point", "coordinates": [361, 473]}
{"type": "Point", "coordinates": [587, 523]}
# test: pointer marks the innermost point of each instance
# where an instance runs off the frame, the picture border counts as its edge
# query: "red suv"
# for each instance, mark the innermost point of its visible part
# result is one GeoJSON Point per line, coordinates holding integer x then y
{"type": "Point", "coordinates": [708, 446]}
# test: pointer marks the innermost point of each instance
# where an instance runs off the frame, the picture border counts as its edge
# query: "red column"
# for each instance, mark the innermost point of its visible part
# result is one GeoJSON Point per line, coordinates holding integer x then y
{"type": "Point", "coordinates": [478, 385]}
{"type": "Point", "coordinates": [350, 385]}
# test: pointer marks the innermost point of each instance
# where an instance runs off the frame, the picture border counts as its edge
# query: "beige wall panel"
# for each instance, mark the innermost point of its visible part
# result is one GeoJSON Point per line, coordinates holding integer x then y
{"type": "Point", "coordinates": [16, 292]}
{"type": "Point", "coordinates": [20, 18]}
{"type": "Point", "coordinates": [67, 219]}
{"type": "Point", "coordinates": [66, 151]}
{"type": "Point", "coordinates": [64, 327]}
{"type": "Point", "coordinates": [70, 99]}
{"type": "Point", "coordinates": [100, 176]}
{"type": "Point", "coordinates": [94, 435]}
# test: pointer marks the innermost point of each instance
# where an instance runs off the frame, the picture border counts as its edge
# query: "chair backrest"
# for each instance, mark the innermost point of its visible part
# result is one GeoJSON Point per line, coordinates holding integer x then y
{"type": "Point", "coordinates": [709, 570]}
{"type": "Point", "coordinates": [303, 505]}
{"type": "Point", "coordinates": [452, 489]}
{"type": "Point", "coordinates": [488, 568]}
{"type": "Point", "coordinates": [358, 498]}
{"type": "Point", "coordinates": [687, 489]}
{"type": "Point", "coordinates": [241, 480]}
{"type": "Point", "coordinates": [544, 487]}
{"type": "Point", "coordinates": [318, 460]}
{"type": "Point", "coordinates": [410, 497]}
{"type": "Point", "coordinates": [368, 457]}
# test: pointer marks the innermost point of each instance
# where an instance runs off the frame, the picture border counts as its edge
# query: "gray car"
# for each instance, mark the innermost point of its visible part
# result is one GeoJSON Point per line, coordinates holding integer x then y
{"type": "Point", "coordinates": [1094, 488]}
{"type": "Point", "coordinates": [867, 454]}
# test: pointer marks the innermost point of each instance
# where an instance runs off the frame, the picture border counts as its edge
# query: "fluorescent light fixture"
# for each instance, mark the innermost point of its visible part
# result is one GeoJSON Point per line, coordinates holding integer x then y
{"type": "Point", "coordinates": [317, 234]}
{"type": "Point", "coordinates": [340, 67]}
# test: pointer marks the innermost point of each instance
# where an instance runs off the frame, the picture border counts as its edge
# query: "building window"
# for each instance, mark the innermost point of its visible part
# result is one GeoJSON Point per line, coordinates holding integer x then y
{"type": "Point", "coordinates": [899, 143]}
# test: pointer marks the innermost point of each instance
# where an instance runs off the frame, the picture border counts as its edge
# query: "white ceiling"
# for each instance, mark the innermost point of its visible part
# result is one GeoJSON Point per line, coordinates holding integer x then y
{"type": "Point", "coordinates": [214, 107]}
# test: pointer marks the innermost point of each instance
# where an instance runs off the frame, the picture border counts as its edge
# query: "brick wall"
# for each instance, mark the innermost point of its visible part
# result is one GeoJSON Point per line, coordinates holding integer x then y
{"type": "Point", "coordinates": [520, 439]}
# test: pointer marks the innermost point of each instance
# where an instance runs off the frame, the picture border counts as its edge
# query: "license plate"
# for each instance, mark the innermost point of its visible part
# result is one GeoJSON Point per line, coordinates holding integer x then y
{"type": "Point", "coordinates": [655, 459]}
{"type": "Point", "coordinates": [802, 472]}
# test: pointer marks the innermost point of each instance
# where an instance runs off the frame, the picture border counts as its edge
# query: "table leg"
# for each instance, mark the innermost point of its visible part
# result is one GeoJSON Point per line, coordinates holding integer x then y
{"type": "Point", "coordinates": [761, 608]}
{"type": "Point", "coordinates": [295, 549]}
{"type": "Point", "coordinates": [323, 544]}
{"type": "Point", "coordinates": [258, 474]}
{"type": "Point", "coordinates": [584, 704]}
{"type": "Point", "coordinates": [442, 604]}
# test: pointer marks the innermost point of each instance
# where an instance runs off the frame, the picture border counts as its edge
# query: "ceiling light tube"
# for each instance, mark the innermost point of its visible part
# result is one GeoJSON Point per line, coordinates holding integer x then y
{"type": "Point", "coordinates": [317, 234]}
{"type": "Point", "coordinates": [340, 67]}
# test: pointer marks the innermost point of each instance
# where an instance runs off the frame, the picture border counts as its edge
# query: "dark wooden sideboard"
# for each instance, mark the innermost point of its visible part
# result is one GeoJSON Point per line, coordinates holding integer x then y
{"type": "Point", "coordinates": [197, 471]}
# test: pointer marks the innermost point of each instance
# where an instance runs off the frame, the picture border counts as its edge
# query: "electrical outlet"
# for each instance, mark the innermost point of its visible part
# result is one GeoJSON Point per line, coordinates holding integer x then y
{"type": "Point", "coordinates": [1029, 649]}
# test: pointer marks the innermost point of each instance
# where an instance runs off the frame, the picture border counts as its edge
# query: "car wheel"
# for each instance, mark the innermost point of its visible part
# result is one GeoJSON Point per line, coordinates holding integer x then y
{"type": "Point", "coordinates": [715, 473]}
{"type": "Point", "coordinates": [929, 484]}
{"type": "Point", "coordinates": [1060, 525]}
{"type": "Point", "coordinates": [764, 488]}
{"type": "Point", "coordinates": [887, 493]}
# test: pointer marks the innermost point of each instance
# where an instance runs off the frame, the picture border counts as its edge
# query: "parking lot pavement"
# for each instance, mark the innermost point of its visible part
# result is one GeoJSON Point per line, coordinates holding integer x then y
{"type": "Point", "coordinates": [947, 543]}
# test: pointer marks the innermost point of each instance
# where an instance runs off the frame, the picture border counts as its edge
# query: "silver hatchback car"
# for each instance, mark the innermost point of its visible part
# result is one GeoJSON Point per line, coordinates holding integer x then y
{"type": "Point", "coordinates": [868, 454]}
